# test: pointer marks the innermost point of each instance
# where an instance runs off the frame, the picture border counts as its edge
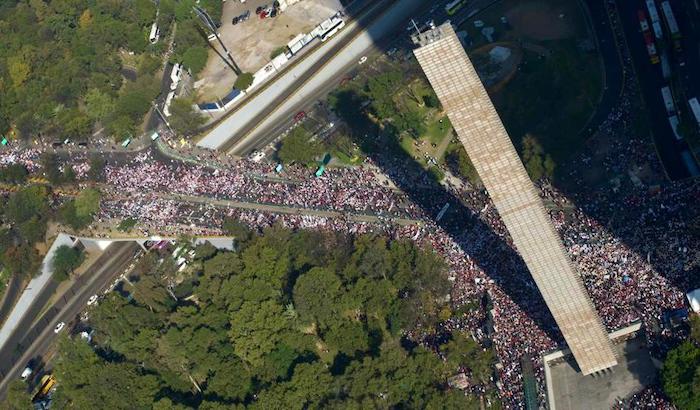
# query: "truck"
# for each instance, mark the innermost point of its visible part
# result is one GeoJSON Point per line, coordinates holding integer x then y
{"type": "Point", "coordinates": [665, 66]}
{"type": "Point", "coordinates": [668, 100]}
{"type": "Point", "coordinates": [47, 382]}
{"type": "Point", "coordinates": [672, 25]}
{"type": "Point", "coordinates": [695, 108]}
{"type": "Point", "coordinates": [453, 7]}
{"type": "Point", "coordinates": [655, 21]}
{"type": "Point", "coordinates": [648, 37]}
{"type": "Point", "coordinates": [674, 123]}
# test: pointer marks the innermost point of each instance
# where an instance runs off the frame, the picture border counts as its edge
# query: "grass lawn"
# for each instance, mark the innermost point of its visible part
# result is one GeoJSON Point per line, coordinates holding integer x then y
{"type": "Point", "coordinates": [4, 280]}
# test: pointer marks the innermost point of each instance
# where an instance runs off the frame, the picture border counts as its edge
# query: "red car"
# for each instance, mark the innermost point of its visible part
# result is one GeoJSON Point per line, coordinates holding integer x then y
{"type": "Point", "coordinates": [300, 116]}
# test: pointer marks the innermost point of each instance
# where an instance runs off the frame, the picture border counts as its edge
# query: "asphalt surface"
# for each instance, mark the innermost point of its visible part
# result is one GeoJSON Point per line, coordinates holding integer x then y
{"type": "Point", "coordinates": [264, 135]}
{"type": "Point", "coordinates": [651, 81]}
{"type": "Point", "coordinates": [10, 297]}
{"type": "Point", "coordinates": [34, 336]}
{"type": "Point", "coordinates": [612, 65]}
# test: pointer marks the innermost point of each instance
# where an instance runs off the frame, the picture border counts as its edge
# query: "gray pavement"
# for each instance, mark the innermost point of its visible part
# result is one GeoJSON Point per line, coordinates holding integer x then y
{"type": "Point", "coordinates": [36, 334]}
{"type": "Point", "coordinates": [30, 293]}
{"type": "Point", "coordinates": [573, 391]}
{"type": "Point", "coordinates": [238, 124]}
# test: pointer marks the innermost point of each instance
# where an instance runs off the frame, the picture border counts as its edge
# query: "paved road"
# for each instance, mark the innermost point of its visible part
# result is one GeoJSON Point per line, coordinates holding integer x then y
{"type": "Point", "coordinates": [612, 65]}
{"type": "Point", "coordinates": [298, 84]}
{"type": "Point", "coordinates": [10, 297]}
{"type": "Point", "coordinates": [34, 337]}
{"type": "Point", "coordinates": [651, 81]}
{"type": "Point", "coordinates": [279, 209]}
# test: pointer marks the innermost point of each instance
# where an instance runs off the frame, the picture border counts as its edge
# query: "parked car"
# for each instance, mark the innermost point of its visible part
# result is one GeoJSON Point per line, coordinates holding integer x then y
{"type": "Point", "coordinates": [92, 300]}
{"type": "Point", "coordinates": [245, 16]}
{"type": "Point", "coordinates": [299, 116]}
{"type": "Point", "coordinates": [363, 59]}
{"type": "Point", "coordinates": [235, 20]}
{"type": "Point", "coordinates": [260, 9]}
{"type": "Point", "coordinates": [59, 327]}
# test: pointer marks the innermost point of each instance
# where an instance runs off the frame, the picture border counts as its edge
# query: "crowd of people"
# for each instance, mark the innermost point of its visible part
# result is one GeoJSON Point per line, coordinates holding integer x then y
{"type": "Point", "coordinates": [625, 284]}
{"type": "Point", "coordinates": [630, 243]}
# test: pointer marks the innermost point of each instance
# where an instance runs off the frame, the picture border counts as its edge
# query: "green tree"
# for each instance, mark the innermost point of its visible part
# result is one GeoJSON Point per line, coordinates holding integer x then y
{"type": "Point", "coordinates": [462, 351]}
{"type": "Point", "coordinates": [195, 59]}
{"type": "Point", "coordinates": [298, 147]}
{"type": "Point", "coordinates": [459, 163]}
{"type": "Point", "coordinates": [243, 81]}
{"type": "Point", "coordinates": [29, 209]}
{"type": "Point", "coordinates": [13, 173]}
{"type": "Point", "coordinates": [680, 376]}
{"type": "Point", "coordinates": [98, 104]}
{"type": "Point", "coordinates": [185, 120]}
{"type": "Point", "coordinates": [317, 297]}
{"type": "Point", "coordinates": [18, 397]}
{"type": "Point", "coordinates": [87, 203]}
{"type": "Point", "coordinates": [537, 163]}
{"type": "Point", "coordinates": [65, 260]}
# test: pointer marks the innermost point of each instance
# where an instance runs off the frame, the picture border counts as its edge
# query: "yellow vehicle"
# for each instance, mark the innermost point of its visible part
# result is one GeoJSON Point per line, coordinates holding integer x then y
{"type": "Point", "coordinates": [47, 382]}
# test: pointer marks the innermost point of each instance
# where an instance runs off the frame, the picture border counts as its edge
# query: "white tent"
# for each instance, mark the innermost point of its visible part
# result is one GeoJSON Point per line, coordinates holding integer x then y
{"type": "Point", "coordinates": [694, 300]}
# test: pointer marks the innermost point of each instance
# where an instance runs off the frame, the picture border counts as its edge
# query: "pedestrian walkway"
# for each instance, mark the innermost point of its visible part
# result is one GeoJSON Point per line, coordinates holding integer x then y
{"type": "Point", "coordinates": [35, 287]}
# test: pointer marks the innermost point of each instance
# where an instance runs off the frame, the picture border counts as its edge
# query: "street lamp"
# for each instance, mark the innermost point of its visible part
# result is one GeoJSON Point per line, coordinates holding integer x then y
{"type": "Point", "coordinates": [211, 26]}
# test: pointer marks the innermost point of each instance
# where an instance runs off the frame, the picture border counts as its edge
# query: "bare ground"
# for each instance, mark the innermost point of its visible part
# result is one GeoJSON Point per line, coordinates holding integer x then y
{"type": "Point", "coordinates": [252, 42]}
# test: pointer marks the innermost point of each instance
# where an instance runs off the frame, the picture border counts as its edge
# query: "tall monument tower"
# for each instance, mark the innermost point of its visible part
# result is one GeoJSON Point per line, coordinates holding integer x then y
{"type": "Point", "coordinates": [485, 139]}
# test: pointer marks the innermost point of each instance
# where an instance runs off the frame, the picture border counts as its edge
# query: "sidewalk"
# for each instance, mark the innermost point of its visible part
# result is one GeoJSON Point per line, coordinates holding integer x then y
{"type": "Point", "coordinates": [34, 288]}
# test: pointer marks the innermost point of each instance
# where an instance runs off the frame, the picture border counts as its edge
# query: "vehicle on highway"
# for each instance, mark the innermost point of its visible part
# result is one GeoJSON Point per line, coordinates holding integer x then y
{"type": "Point", "coordinates": [92, 300]}
{"type": "Point", "coordinates": [668, 100]}
{"type": "Point", "coordinates": [59, 327]}
{"type": "Point", "coordinates": [299, 116]}
{"type": "Point", "coordinates": [453, 7]}
{"type": "Point", "coordinates": [363, 59]}
{"type": "Point", "coordinates": [648, 37]}
{"type": "Point", "coordinates": [26, 372]}
{"type": "Point", "coordinates": [695, 108]}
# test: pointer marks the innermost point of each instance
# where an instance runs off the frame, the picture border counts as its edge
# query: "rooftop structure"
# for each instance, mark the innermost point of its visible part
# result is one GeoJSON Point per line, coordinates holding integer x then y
{"type": "Point", "coordinates": [490, 149]}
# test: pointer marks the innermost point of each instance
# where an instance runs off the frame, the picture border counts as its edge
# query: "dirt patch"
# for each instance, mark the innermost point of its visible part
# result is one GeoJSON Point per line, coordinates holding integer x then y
{"type": "Point", "coordinates": [252, 42]}
{"type": "Point", "coordinates": [542, 20]}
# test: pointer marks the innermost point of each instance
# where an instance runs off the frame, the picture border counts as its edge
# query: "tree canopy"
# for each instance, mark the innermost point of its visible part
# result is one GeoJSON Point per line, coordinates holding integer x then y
{"type": "Point", "coordinates": [65, 260]}
{"type": "Point", "coordinates": [291, 320]}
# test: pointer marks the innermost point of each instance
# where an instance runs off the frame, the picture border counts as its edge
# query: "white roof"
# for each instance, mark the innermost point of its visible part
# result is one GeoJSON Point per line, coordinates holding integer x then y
{"type": "Point", "coordinates": [694, 300]}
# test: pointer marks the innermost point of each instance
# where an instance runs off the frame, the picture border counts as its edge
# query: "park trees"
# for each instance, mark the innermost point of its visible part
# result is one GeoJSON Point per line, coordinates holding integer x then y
{"type": "Point", "coordinates": [537, 163]}
{"type": "Point", "coordinates": [65, 260]}
{"type": "Point", "coordinates": [290, 320]}
{"type": "Point", "coordinates": [185, 119]}
{"type": "Point", "coordinates": [298, 147]}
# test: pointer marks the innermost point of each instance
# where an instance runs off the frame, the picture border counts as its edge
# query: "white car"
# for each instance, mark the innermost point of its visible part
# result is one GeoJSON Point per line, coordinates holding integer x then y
{"type": "Point", "coordinates": [59, 327]}
{"type": "Point", "coordinates": [363, 60]}
{"type": "Point", "coordinates": [92, 300]}
{"type": "Point", "coordinates": [26, 373]}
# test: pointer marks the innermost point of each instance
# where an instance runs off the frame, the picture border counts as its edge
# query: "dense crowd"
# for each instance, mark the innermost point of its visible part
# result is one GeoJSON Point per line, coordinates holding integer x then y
{"type": "Point", "coordinates": [625, 284]}
{"type": "Point", "coordinates": [630, 243]}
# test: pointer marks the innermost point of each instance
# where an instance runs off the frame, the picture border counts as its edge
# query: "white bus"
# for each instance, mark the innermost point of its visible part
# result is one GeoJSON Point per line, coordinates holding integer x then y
{"type": "Point", "coordinates": [695, 108]}
{"type": "Point", "coordinates": [155, 34]}
{"type": "Point", "coordinates": [674, 123]}
{"type": "Point", "coordinates": [454, 6]}
{"type": "Point", "coordinates": [339, 24]}
{"type": "Point", "coordinates": [668, 100]}
{"type": "Point", "coordinates": [654, 16]}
